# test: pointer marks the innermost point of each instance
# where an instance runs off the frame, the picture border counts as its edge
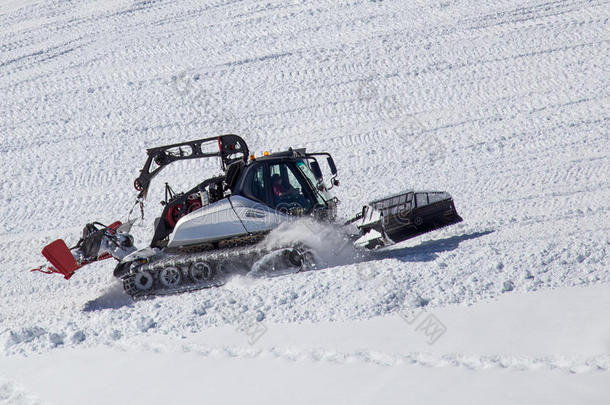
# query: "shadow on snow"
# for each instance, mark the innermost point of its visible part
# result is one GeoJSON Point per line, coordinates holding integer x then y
{"type": "Point", "coordinates": [427, 251]}
{"type": "Point", "coordinates": [113, 298]}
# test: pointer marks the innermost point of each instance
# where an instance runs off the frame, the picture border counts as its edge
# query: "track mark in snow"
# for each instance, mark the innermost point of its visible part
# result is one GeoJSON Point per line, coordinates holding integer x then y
{"type": "Point", "coordinates": [599, 363]}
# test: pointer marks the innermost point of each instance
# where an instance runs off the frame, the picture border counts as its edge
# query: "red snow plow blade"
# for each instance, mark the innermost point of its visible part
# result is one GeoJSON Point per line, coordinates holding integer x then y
{"type": "Point", "coordinates": [61, 258]}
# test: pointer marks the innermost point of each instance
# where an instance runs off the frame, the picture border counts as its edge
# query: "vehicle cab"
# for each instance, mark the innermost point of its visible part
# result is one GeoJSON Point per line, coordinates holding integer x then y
{"type": "Point", "coordinates": [288, 182]}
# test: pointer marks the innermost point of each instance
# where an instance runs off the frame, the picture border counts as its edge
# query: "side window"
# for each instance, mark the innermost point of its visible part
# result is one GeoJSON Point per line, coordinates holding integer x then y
{"type": "Point", "coordinates": [436, 197]}
{"type": "Point", "coordinates": [421, 199]}
{"type": "Point", "coordinates": [288, 188]}
{"type": "Point", "coordinates": [409, 203]}
{"type": "Point", "coordinates": [255, 184]}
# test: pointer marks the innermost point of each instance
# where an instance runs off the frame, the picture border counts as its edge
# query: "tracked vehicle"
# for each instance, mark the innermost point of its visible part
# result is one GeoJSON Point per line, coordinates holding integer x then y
{"type": "Point", "coordinates": [216, 228]}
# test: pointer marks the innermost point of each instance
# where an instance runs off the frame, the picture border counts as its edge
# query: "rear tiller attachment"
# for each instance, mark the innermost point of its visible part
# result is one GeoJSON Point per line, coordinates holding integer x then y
{"type": "Point", "coordinates": [99, 242]}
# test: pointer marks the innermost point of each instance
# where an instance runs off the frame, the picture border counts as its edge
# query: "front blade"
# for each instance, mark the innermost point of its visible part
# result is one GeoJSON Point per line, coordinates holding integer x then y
{"type": "Point", "coordinates": [403, 216]}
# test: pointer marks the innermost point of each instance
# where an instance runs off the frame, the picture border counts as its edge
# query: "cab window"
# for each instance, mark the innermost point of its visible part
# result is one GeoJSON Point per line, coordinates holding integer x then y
{"type": "Point", "coordinates": [421, 199]}
{"type": "Point", "coordinates": [255, 184]}
{"type": "Point", "coordinates": [289, 189]}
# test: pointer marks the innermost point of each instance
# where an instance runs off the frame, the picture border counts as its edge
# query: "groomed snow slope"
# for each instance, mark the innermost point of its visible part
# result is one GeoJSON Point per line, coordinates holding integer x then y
{"type": "Point", "coordinates": [504, 105]}
{"type": "Point", "coordinates": [523, 349]}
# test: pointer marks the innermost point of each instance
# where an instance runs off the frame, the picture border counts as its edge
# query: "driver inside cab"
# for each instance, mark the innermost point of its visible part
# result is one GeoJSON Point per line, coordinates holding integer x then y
{"type": "Point", "coordinates": [279, 188]}
{"type": "Point", "coordinates": [287, 198]}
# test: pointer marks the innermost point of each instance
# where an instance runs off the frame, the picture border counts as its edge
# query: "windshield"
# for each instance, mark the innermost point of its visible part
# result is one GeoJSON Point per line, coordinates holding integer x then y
{"type": "Point", "coordinates": [304, 168]}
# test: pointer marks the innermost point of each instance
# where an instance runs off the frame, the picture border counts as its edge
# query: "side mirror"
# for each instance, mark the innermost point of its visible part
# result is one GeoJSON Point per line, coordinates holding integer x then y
{"type": "Point", "coordinates": [331, 164]}
{"type": "Point", "coordinates": [315, 168]}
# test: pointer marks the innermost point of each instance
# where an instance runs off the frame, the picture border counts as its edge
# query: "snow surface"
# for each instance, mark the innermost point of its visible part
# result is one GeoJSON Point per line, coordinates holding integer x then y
{"type": "Point", "coordinates": [504, 105]}
{"type": "Point", "coordinates": [524, 348]}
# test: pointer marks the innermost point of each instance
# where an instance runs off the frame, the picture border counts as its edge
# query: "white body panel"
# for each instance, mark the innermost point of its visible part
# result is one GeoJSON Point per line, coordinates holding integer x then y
{"type": "Point", "coordinates": [256, 216]}
{"type": "Point", "coordinates": [224, 219]}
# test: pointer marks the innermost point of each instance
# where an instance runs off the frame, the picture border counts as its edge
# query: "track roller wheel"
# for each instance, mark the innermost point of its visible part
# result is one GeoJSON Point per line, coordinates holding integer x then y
{"type": "Point", "coordinates": [295, 258]}
{"type": "Point", "coordinates": [201, 272]}
{"type": "Point", "coordinates": [143, 281]}
{"type": "Point", "coordinates": [170, 277]}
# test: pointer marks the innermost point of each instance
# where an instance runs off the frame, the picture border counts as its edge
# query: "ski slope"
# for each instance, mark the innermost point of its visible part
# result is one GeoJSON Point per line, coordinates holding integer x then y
{"type": "Point", "coordinates": [503, 105]}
